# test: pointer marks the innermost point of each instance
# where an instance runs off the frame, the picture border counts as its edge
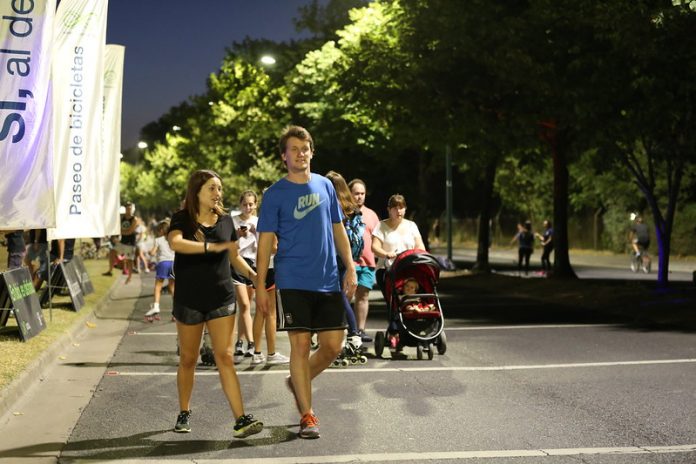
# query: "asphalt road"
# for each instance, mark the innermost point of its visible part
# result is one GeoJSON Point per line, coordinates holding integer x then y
{"type": "Point", "coordinates": [555, 391]}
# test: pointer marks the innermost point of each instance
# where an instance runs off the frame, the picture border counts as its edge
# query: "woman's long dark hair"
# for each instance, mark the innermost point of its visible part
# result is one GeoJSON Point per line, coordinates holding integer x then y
{"type": "Point", "coordinates": [191, 204]}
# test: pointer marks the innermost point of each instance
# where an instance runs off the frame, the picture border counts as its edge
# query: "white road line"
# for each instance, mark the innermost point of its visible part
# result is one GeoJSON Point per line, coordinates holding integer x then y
{"type": "Point", "coordinates": [442, 455]}
{"type": "Point", "coordinates": [449, 328]}
{"type": "Point", "coordinates": [524, 327]}
{"type": "Point", "coordinates": [370, 370]}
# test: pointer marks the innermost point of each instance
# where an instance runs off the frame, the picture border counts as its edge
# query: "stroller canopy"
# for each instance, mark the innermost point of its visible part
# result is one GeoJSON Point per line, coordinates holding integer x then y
{"type": "Point", "coordinates": [417, 264]}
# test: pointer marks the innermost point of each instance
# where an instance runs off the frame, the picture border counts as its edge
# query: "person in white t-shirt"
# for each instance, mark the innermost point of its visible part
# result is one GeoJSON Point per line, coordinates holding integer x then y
{"type": "Point", "coordinates": [394, 235]}
{"type": "Point", "coordinates": [245, 228]}
{"type": "Point", "coordinates": [164, 270]}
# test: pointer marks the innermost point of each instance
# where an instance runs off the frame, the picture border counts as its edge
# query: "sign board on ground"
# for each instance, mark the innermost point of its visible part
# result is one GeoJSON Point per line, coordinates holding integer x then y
{"type": "Point", "coordinates": [18, 296]}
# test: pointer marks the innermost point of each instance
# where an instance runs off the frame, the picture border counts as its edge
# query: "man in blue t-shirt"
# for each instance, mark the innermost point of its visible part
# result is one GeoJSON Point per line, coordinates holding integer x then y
{"type": "Point", "coordinates": [302, 210]}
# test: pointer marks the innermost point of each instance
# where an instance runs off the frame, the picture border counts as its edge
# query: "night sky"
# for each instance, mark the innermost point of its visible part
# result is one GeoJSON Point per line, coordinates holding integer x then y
{"type": "Point", "coordinates": [173, 45]}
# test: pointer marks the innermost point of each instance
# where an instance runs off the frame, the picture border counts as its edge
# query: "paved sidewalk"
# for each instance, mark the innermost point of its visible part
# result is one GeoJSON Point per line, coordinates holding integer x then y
{"type": "Point", "coordinates": [36, 427]}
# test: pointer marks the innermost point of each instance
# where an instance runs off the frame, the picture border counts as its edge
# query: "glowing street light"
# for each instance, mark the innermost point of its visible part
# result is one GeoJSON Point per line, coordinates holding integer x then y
{"type": "Point", "coordinates": [176, 128]}
{"type": "Point", "coordinates": [268, 60]}
{"type": "Point", "coordinates": [142, 145]}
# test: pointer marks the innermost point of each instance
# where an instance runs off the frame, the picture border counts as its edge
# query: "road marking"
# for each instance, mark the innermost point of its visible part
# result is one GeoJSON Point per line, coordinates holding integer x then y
{"type": "Point", "coordinates": [360, 369]}
{"type": "Point", "coordinates": [442, 455]}
{"type": "Point", "coordinates": [523, 327]}
{"type": "Point", "coordinates": [450, 329]}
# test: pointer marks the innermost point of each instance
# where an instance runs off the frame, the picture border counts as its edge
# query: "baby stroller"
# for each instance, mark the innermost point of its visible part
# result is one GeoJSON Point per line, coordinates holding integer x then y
{"type": "Point", "coordinates": [414, 320]}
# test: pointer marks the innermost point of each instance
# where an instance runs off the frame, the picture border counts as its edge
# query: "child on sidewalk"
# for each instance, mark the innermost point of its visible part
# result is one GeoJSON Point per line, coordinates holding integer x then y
{"type": "Point", "coordinates": [164, 268]}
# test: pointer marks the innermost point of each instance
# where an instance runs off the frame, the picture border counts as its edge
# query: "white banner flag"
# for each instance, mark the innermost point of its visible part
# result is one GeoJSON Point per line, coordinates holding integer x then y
{"type": "Point", "coordinates": [113, 89]}
{"type": "Point", "coordinates": [78, 93]}
{"type": "Point", "coordinates": [26, 169]}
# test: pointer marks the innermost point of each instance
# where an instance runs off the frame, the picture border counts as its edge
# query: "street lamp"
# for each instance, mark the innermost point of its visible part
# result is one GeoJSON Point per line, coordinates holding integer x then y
{"type": "Point", "coordinates": [176, 128]}
{"type": "Point", "coordinates": [142, 145]}
{"type": "Point", "coordinates": [267, 60]}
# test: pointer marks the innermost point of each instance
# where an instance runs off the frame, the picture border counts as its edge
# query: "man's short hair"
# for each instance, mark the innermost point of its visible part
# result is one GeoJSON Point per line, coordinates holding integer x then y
{"type": "Point", "coordinates": [297, 132]}
{"type": "Point", "coordinates": [356, 181]}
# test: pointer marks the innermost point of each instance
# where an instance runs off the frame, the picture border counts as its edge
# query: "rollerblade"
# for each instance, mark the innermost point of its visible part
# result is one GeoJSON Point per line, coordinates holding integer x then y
{"type": "Point", "coordinates": [153, 314]}
{"type": "Point", "coordinates": [207, 356]}
{"type": "Point", "coordinates": [354, 350]}
{"type": "Point", "coordinates": [341, 360]}
{"type": "Point", "coordinates": [353, 353]}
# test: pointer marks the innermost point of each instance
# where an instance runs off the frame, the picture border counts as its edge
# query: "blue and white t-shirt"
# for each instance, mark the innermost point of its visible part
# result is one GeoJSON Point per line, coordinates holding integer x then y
{"type": "Point", "coordinates": [302, 217]}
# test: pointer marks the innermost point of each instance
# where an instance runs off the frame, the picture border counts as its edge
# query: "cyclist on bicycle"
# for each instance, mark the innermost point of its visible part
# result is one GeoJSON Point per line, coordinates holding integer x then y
{"type": "Point", "coordinates": [640, 236]}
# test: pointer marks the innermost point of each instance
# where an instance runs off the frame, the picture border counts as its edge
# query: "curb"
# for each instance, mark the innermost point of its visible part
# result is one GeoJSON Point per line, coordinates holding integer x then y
{"type": "Point", "coordinates": [21, 385]}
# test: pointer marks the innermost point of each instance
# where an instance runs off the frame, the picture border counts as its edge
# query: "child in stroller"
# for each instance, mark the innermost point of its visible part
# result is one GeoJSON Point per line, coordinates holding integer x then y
{"type": "Point", "coordinates": [409, 303]}
{"type": "Point", "coordinates": [415, 315]}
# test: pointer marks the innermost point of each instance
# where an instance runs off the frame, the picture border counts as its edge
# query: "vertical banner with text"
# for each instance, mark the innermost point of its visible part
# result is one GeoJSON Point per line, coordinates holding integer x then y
{"type": "Point", "coordinates": [113, 90]}
{"type": "Point", "coordinates": [78, 93]}
{"type": "Point", "coordinates": [26, 169]}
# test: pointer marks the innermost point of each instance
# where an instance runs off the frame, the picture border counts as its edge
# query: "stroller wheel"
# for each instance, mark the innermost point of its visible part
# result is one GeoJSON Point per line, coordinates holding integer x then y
{"type": "Point", "coordinates": [431, 351]}
{"type": "Point", "coordinates": [419, 352]}
{"type": "Point", "coordinates": [379, 344]}
{"type": "Point", "coordinates": [442, 343]}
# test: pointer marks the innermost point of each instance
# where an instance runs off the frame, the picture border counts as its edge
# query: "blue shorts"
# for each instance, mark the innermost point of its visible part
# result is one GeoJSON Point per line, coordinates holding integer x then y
{"type": "Point", "coordinates": [366, 276]}
{"type": "Point", "coordinates": [164, 270]}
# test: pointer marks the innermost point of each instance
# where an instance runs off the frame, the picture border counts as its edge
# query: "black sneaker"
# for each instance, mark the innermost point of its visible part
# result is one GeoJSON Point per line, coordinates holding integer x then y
{"type": "Point", "coordinates": [247, 425]}
{"type": "Point", "coordinates": [182, 422]}
{"type": "Point", "coordinates": [364, 337]}
{"type": "Point", "coordinates": [250, 350]}
{"type": "Point", "coordinates": [239, 352]}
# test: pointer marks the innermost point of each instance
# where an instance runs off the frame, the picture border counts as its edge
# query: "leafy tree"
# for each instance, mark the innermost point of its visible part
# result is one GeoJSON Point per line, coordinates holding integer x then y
{"type": "Point", "coordinates": [232, 130]}
{"type": "Point", "coordinates": [652, 128]}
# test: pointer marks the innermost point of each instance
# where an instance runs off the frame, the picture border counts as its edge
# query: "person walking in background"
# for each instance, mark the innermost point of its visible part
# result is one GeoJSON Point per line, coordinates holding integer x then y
{"type": "Point", "coordinates": [245, 227]}
{"type": "Point", "coordinates": [126, 246]}
{"type": "Point", "coordinates": [266, 322]}
{"type": "Point", "coordinates": [203, 238]}
{"type": "Point", "coordinates": [365, 265]}
{"type": "Point", "coordinates": [547, 243]}
{"type": "Point", "coordinates": [302, 210]}
{"type": "Point", "coordinates": [525, 245]}
{"type": "Point", "coordinates": [16, 249]}
{"type": "Point", "coordinates": [141, 249]}
{"type": "Point", "coordinates": [394, 235]}
{"type": "Point", "coordinates": [164, 270]}
{"type": "Point", "coordinates": [355, 229]}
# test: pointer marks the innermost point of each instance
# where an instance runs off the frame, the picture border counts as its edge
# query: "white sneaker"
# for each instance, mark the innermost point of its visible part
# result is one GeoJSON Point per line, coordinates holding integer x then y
{"type": "Point", "coordinates": [257, 358]}
{"type": "Point", "coordinates": [277, 358]}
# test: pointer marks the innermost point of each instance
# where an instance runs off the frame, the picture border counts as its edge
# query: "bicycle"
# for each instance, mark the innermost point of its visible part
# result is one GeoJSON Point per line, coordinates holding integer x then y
{"type": "Point", "coordinates": [641, 261]}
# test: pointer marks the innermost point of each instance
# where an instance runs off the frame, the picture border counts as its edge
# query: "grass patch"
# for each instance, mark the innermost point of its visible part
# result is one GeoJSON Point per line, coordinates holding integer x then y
{"type": "Point", "coordinates": [16, 355]}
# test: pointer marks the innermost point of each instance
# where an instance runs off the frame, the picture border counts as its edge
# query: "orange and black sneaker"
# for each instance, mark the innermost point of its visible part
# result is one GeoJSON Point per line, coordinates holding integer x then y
{"type": "Point", "coordinates": [309, 426]}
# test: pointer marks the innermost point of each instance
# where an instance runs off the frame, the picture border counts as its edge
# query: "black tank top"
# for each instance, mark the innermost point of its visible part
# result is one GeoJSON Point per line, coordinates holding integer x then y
{"type": "Point", "coordinates": [126, 223]}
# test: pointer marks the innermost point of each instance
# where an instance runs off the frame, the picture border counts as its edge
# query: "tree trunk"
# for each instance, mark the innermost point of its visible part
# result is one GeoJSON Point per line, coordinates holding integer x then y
{"type": "Point", "coordinates": [664, 224]}
{"type": "Point", "coordinates": [421, 216]}
{"type": "Point", "coordinates": [482, 263]}
{"type": "Point", "coordinates": [559, 146]}
{"type": "Point", "coordinates": [595, 228]}
{"type": "Point", "coordinates": [674, 172]}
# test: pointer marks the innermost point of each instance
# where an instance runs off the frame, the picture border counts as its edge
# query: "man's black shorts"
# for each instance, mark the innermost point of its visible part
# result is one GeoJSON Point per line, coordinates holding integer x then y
{"type": "Point", "coordinates": [307, 310]}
